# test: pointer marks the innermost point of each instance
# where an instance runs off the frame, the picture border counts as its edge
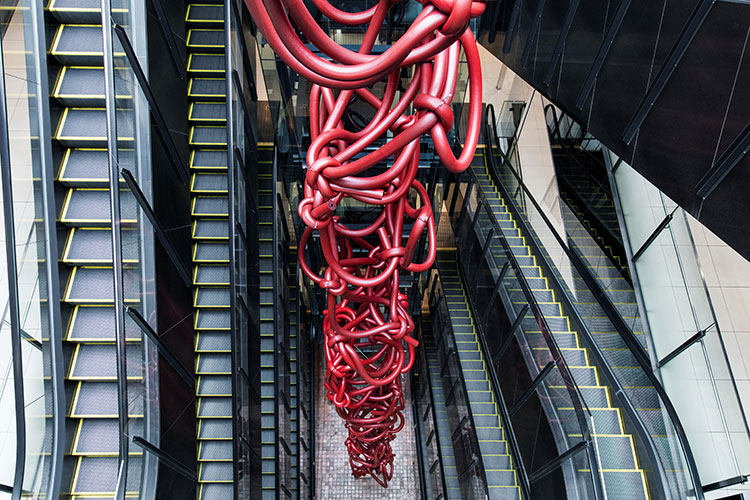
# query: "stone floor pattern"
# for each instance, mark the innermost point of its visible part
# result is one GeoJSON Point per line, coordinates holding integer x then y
{"type": "Point", "coordinates": [334, 480]}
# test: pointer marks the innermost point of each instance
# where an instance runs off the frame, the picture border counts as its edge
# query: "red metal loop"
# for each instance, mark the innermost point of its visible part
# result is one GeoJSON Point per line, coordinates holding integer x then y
{"type": "Point", "coordinates": [367, 326]}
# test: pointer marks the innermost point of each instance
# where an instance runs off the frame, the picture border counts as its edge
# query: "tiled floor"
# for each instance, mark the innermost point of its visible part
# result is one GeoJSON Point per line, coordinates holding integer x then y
{"type": "Point", "coordinates": [334, 478]}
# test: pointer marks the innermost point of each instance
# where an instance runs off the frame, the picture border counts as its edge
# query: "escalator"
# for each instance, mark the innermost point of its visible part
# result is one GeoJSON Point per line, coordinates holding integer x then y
{"type": "Point", "coordinates": [588, 205]}
{"type": "Point", "coordinates": [210, 255]}
{"type": "Point", "coordinates": [80, 150]}
{"type": "Point", "coordinates": [267, 319]}
{"type": "Point", "coordinates": [434, 384]}
{"type": "Point", "coordinates": [620, 467]}
{"type": "Point", "coordinates": [502, 482]}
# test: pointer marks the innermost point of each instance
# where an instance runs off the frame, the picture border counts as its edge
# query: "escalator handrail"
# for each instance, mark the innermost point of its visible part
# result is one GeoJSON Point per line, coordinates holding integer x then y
{"type": "Point", "coordinates": [639, 353]}
{"type": "Point", "coordinates": [579, 404]}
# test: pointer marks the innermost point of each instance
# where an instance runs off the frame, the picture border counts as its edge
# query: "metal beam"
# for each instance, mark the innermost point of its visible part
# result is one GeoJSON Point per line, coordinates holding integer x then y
{"type": "Point", "coordinates": [654, 234]}
{"type": "Point", "coordinates": [166, 459]}
{"type": "Point", "coordinates": [532, 388]}
{"type": "Point", "coordinates": [725, 164]}
{"type": "Point", "coordinates": [514, 15]}
{"type": "Point", "coordinates": [699, 15]}
{"type": "Point", "coordinates": [601, 55]}
{"type": "Point", "coordinates": [537, 21]}
{"type": "Point", "coordinates": [682, 348]}
{"type": "Point", "coordinates": [561, 39]}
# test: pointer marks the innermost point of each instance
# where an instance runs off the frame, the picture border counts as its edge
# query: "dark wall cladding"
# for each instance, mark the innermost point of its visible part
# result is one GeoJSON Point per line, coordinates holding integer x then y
{"type": "Point", "coordinates": [171, 203]}
{"type": "Point", "coordinates": [704, 106]}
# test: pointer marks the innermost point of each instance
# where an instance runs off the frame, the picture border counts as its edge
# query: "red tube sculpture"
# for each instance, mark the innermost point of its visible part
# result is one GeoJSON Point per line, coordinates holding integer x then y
{"type": "Point", "coordinates": [368, 329]}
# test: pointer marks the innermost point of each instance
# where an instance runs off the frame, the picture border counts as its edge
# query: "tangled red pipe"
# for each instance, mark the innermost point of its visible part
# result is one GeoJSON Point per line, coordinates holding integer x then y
{"type": "Point", "coordinates": [367, 326]}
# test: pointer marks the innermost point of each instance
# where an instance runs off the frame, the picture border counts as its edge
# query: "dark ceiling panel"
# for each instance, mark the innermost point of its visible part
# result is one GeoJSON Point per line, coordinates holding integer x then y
{"type": "Point", "coordinates": [692, 122]}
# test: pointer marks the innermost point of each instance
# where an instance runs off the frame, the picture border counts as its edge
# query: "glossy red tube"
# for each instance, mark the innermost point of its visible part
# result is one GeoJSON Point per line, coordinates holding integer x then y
{"type": "Point", "coordinates": [369, 342]}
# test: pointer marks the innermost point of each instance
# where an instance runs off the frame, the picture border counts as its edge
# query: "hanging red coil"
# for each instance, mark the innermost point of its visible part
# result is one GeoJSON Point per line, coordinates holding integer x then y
{"type": "Point", "coordinates": [367, 326]}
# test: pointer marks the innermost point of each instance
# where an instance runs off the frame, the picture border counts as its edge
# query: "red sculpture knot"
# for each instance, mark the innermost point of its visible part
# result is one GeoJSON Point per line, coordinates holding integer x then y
{"type": "Point", "coordinates": [368, 329]}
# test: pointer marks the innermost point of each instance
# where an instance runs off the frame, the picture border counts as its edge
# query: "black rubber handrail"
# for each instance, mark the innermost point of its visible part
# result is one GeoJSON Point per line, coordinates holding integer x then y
{"type": "Point", "coordinates": [627, 335]}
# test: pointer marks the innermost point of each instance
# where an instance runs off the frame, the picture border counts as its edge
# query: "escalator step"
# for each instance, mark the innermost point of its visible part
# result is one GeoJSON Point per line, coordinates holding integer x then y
{"type": "Point", "coordinates": [630, 484]}
{"type": "Point", "coordinates": [616, 452]}
{"type": "Point", "coordinates": [208, 112]}
{"type": "Point", "coordinates": [208, 136]}
{"type": "Point", "coordinates": [94, 285]}
{"type": "Point", "coordinates": [205, 13]}
{"type": "Point", "coordinates": [208, 229]}
{"type": "Point", "coordinates": [90, 323]}
{"type": "Point", "coordinates": [213, 364]}
{"type": "Point", "coordinates": [498, 461]}
{"type": "Point", "coordinates": [501, 478]}
{"type": "Point", "coordinates": [210, 206]}
{"type": "Point", "coordinates": [207, 63]}
{"type": "Point", "coordinates": [216, 472]}
{"type": "Point", "coordinates": [214, 385]}
{"type": "Point", "coordinates": [208, 159]}
{"type": "Point", "coordinates": [209, 183]}
{"type": "Point", "coordinates": [206, 39]}
{"type": "Point", "coordinates": [216, 491]}
{"type": "Point", "coordinates": [90, 207]}
{"type": "Point", "coordinates": [215, 450]}
{"type": "Point", "coordinates": [215, 429]}
{"type": "Point", "coordinates": [80, 86]}
{"type": "Point", "coordinates": [217, 407]}
{"type": "Point", "coordinates": [208, 88]}
{"type": "Point", "coordinates": [78, 44]}
{"type": "Point", "coordinates": [495, 436]}
{"type": "Point", "coordinates": [100, 436]}
{"type": "Point", "coordinates": [97, 362]}
{"type": "Point", "coordinates": [94, 245]}
{"type": "Point", "coordinates": [505, 492]}
{"type": "Point", "coordinates": [89, 167]}
{"type": "Point", "coordinates": [80, 11]}
{"type": "Point", "coordinates": [211, 275]}
{"type": "Point", "coordinates": [595, 397]}
{"type": "Point", "coordinates": [98, 476]}
{"type": "Point", "coordinates": [213, 342]}
{"type": "Point", "coordinates": [477, 385]}
{"type": "Point", "coordinates": [210, 252]}
{"type": "Point", "coordinates": [86, 127]}
{"type": "Point", "coordinates": [212, 320]}
{"type": "Point", "coordinates": [99, 399]}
